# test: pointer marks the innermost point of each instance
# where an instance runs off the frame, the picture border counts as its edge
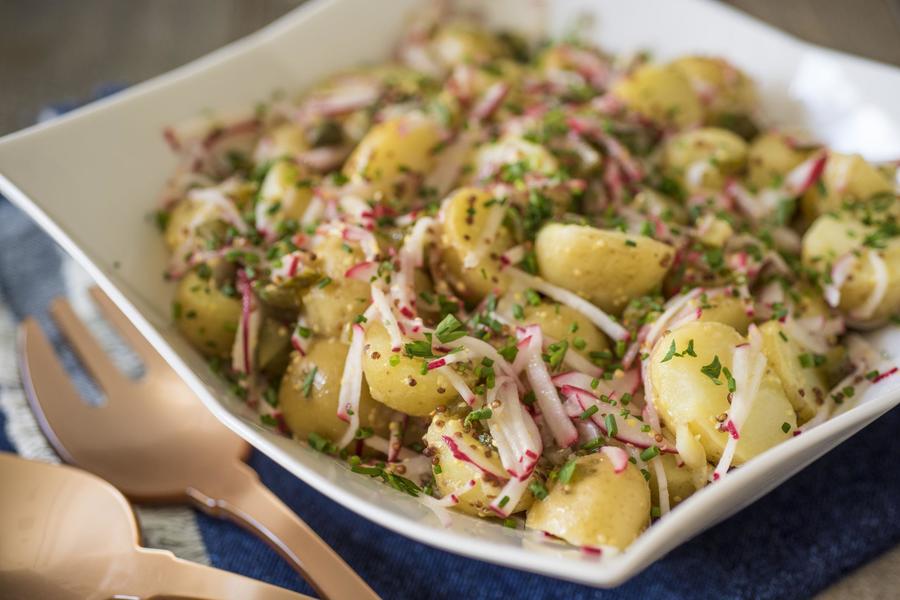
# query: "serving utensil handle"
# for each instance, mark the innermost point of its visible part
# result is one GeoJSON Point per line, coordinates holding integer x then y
{"type": "Point", "coordinates": [241, 497]}
{"type": "Point", "coordinates": [158, 574]}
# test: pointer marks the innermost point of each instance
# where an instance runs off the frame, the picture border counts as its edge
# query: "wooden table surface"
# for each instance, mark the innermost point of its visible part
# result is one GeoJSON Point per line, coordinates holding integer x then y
{"type": "Point", "coordinates": [63, 49]}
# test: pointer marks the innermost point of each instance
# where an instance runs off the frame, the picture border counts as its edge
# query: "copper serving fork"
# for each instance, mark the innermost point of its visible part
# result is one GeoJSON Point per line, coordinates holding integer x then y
{"type": "Point", "coordinates": [156, 442]}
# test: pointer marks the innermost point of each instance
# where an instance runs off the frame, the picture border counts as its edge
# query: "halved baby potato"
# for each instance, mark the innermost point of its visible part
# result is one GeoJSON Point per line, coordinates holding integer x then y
{"type": "Point", "coordinates": [455, 474]}
{"type": "Point", "coordinates": [313, 408]}
{"type": "Point", "coordinates": [393, 153]}
{"type": "Point", "coordinates": [687, 395]}
{"type": "Point", "coordinates": [834, 237]}
{"type": "Point", "coordinates": [464, 215]}
{"type": "Point", "coordinates": [661, 93]}
{"type": "Point", "coordinates": [704, 159]}
{"type": "Point", "coordinates": [206, 316]}
{"type": "Point", "coordinates": [846, 178]}
{"type": "Point", "coordinates": [597, 507]}
{"type": "Point", "coordinates": [607, 267]}
{"type": "Point", "coordinates": [402, 385]}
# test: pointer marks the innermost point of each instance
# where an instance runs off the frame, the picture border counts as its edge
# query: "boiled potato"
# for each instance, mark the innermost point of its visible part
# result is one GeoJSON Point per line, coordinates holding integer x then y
{"type": "Point", "coordinates": [274, 347]}
{"type": "Point", "coordinates": [464, 214]}
{"type": "Point", "coordinates": [282, 195]}
{"type": "Point", "coordinates": [329, 308]}
{"type": "Point", "coordinates": [597, 507]}
{"type": "Point", "coordinates": [189, 218]}
{"type": "Point", "coordinates": [402, 386]}
{"type": "Point", "coordinates": [833, 236]}
{"type": "Point", "coordinates": [316, 412]}
{"type": "Point", "coordinates": [651, 202]}
{"type": "Point", "coordinates": [723, 308]}
{"type": "Point", "coordinates": [559, 322]}
{"type": "Point", "coordinates": [662, 94]}
{"type": "Point", "coordinates": [685, 395]}
{"type": "Point", "coordinates": [723, 89]}
{"type": "Point", "coordinates": [455, 474]}
{"type": "Point", "coordinates": [393, 153]}
{"type": "Point", "coordinates": [607, 267]}
{"type": "Point", "coordinates": [205, 316]}
{"type": "Point", "coordinates": [805, 385]}
{"type": "Point", "coordinates": [284, 141]}
{"type": "Point", "coordinates": [461, 42]}
{"type": "Point", "coordinates": [490, 159]}
{"type": "Point", "coordinates": [704, 159]}
{"type": "Point", "coordinates": [679, 478]}
{"type": "Point", "coordinates": [771, 157]}
{"type": "Point", "coordinates": [847, 178]}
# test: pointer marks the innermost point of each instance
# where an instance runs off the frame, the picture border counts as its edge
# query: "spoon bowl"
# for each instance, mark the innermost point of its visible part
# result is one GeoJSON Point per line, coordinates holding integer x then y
{"type": "Point", "coordinates": [70, 535]}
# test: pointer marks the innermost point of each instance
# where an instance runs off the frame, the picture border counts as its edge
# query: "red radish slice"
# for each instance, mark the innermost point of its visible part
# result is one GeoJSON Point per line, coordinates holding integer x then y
{"type": "Point", "coordinates": [351, 385]}
{"type": "Point", "coordinates": [629, 428]}
{"type": "Point", "coordinates": [490, 101]}
{"type": "Point", "coordinates": [548, 400]}
{"type": "Point", "coordinates": [602, 320]}
{"type": "Point", "coordinates": [364, 271]}
{"type": "Point", "coordinates": [662, 484]}
{"type": "Point", "coordinates": [459, 384]}
{"type": "Point", "coordinates": [876, 296]}
{"type": "Point", "coordinates": [247, 335]}
{"type": "Point", "coordinates": [616, 456]}
{"type": "Point", "coordinates": [840, 271]}
{"type": "Point", "coordinates": [509, 496]}
{"type": "Point", "coordinates": [388, 319]}
{"type": "Point", "coordinates": [463, 454]}
{"type": "Point", "coordinates": [748, 366]}
{"type": "Point", "coordinates": [805, 175]}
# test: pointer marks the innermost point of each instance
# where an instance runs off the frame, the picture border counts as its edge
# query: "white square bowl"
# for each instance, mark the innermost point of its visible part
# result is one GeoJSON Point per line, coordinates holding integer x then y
{"type": "Point", "coordinates": [91, 179]}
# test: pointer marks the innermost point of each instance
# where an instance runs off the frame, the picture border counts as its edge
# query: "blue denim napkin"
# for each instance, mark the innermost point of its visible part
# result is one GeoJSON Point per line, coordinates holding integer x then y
{"type": "Point", "coordinates": [829, 519]}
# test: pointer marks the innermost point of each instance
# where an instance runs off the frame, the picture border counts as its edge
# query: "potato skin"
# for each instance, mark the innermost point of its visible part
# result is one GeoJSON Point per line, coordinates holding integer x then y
{"type": "Point", "coordinates": [723, 89]}
{"type": "Point", "coordinates": [715, 153]}
{"type": "Point", "coordinates": [280, 197]}
{"type": "Point", "coordinates": [317, 413]}
{"type": "Point", "coordinates": [490, 158]}
{"type": "Point", "coordinates": [461, 42]}
{"type": "Point", "coordinates": [725, 309]}
{"type": "Point", "coordinates": [686, 396]}
{"type": "Point", "coordinates": [805, 387]}
{"type": "Point", "coordinates": [459, 235]}
{"type": "Point", "coordinates": [402, 387]}
{"type": "Point", "coordinates": [770, 157]}
{"type": "Point", "coordinates": [598, 507]}
{"type": "Point", "coordinates": [847, 178]}
{"type": "Point", "coordinates": [182, 219]}
{"type": "Point", "coordinates": [557, 321]}
{"type": "Point", "coordinates": [662, 94]}
{"type": "Point", "coordinates": [455, 473]}
{"type": "Point", "coordinates": [331, 308]}
{"type": "Point", "coordinates": [607, 267]}
{"type": "Point", "coordinates": [832, 236]}
{"type": "Point", "coordinates": [679, 479]}
{"type": "Point", "coordinates": [205, 316]}
{"type": "Point", "coordinates": [392, 150]}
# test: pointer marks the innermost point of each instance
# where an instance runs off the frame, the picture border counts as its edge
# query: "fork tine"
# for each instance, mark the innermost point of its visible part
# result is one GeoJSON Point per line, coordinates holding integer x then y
{"type": "Point", "coordinates": [55, 401]}
{"type": "Point", "coordinates": [88, 349]}
{"type": "Point", "coordinates": [133, 337]}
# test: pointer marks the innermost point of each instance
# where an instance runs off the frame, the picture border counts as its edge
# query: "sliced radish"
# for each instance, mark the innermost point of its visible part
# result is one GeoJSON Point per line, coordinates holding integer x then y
{"type": "Point", "coordinates": [617, 456]}
{"type": "Point", "coordinates": [351, 385]}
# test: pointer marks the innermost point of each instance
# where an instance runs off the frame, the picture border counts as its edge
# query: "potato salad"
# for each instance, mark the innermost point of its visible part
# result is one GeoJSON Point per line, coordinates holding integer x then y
{"type": "Point", "coordinates": [530, 281]}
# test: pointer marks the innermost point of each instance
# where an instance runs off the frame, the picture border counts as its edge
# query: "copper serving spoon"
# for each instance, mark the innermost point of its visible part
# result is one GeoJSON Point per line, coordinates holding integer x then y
{"type": "Point", "coordinates": [156, 442]}
{"type": "Point", "coordinates": [70, 535]}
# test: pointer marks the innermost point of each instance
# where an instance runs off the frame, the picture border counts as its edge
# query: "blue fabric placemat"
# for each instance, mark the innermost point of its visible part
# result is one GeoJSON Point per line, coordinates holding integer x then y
{"type": "Point", "coordinates": [829, 519]}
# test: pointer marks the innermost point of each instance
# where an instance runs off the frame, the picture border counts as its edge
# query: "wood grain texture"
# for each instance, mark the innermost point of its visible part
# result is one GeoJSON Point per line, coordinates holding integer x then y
{"type": "Point", "coordinates": [63, 49]}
